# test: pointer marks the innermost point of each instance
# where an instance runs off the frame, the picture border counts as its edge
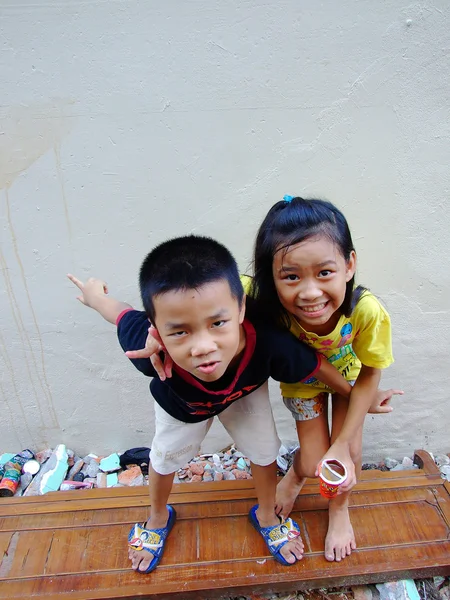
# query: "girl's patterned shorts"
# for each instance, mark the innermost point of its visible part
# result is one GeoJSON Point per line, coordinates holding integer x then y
{"type": "Point", "coordinates": [305, 409]}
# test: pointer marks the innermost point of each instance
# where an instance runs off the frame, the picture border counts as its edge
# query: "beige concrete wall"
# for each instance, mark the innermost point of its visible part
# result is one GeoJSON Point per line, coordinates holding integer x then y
{"type": "Point", "coordinates": [125, 122]}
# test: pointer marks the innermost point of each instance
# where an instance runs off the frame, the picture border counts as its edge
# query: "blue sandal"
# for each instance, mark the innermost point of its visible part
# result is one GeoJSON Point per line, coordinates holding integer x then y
{"type": "Point", "coordinates": [276, 536]}
{"type": "Point", "coordinates": [151, 540]}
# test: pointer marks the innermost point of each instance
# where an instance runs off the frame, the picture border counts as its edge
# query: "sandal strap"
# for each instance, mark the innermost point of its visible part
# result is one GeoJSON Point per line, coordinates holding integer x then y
{"type": "Point", "coordinates": [280, 534]}
{"type": "Point", "coordinates": [141, 538]}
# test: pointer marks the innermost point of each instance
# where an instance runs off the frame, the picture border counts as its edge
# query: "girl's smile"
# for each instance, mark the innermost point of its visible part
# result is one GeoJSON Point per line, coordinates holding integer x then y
{"type": "Point", "coordinates": [310, 278]}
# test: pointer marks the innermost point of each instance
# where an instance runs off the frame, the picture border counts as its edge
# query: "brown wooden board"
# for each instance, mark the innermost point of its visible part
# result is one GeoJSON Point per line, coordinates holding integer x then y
{"type": "Point", "coordinates": [72, 545]}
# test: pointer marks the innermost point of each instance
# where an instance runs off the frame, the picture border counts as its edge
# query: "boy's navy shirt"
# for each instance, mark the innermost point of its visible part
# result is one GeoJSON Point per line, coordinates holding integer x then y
{"type": "Point", "coordinates": [268, 352]}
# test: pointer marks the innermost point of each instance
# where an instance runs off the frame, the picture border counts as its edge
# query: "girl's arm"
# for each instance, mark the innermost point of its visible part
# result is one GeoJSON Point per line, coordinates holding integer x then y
{"type": "Point", "coordinates": [362, 396]}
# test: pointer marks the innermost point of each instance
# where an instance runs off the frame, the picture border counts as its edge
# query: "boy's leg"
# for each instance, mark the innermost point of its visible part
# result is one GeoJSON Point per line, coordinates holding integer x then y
{"type": "Point", "coordinates": [340, 539]}
{"type": "Point", "coordinates": [160, 486]}
{"type": "Point", "coordinates": [175, 443]}
{"type": "Point", "coordinates": [249, 421]}
{"type": "Point", "coordinates": [311, 420]}
{"type": "Point", "coordinates": [265, 480]}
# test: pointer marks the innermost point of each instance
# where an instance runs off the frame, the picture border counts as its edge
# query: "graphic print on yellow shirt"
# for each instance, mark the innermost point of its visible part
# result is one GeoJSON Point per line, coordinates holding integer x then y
{"type": "Point", "coordinates": [362, 338]}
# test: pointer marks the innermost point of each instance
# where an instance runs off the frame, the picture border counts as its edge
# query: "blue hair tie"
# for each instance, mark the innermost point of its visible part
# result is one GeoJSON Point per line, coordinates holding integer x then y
{"type": "Point", "coordinates": [288, 198]}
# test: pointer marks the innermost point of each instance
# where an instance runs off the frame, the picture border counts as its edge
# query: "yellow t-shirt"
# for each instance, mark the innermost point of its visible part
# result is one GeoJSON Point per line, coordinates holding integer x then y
{"type": "Point", "coordinates": [362, 338]}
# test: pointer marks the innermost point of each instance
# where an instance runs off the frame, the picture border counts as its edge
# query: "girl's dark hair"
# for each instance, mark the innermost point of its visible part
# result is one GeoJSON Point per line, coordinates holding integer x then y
{"type": "Point", "coordinates": [288, 223]}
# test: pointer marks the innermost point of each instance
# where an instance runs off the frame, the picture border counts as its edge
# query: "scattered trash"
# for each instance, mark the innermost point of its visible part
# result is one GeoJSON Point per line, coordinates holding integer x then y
{"type": "Point", "coordinates": [75, 485]}
{"type": "Point", "coordinates": [404, 589]}
{"type": "Point", "coordinates": [32, 467]}
{"type": "Point", "coordinates": [132, 476]}
{"type": "Point", "coordinates": [74, 471]}
{"type": "Point", "coordinates": [362, 592]}
{"type": "Point", "coordinates": [6, 457]}
{"type": "Point", "coordinates": [136, 456]}
{"type": "Point", "coordinates": [12, 470]}
{"type": "Point", "coordinates": [441, 460]}
{"type": "Point", "coordinates": [390, 463]}
{"type": "Point", "coordinates": [110, 464]}
{"type": "Point", "coordinates": [286, 455]}
{"type": "Point", "coordinates": [58, 468]}
{"type": "Point", "coordinates": [445, 472]}
{"type": "Point", "coordinates": [430, 589]}
{"type": "Point", "coordinates": [54, 470]}
{"type": "Point", "coordinates": [112, 479]}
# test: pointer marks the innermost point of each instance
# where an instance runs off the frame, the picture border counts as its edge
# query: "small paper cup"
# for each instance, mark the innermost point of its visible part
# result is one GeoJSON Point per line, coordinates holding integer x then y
{"type": "Point", "coordinates": [332, 474]}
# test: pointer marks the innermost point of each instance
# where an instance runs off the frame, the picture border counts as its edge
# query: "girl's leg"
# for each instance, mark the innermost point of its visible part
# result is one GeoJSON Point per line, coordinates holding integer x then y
{"type": "Point", "coordinates": [314, 439]}
{"type": "Point", "coordinates": [340, 539]}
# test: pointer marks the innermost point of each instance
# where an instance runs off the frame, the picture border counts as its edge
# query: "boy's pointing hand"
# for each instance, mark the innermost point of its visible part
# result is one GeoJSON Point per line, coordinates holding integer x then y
{"type": "Point", "coordinates": [90, 291]}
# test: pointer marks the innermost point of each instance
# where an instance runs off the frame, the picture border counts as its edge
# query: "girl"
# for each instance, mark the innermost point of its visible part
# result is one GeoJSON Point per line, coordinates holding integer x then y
{"type": "Point", "coordinates": [305, 265]}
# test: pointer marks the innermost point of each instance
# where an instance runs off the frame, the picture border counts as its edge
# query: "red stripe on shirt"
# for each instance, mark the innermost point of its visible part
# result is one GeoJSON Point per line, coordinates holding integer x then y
{"type": "Point", "coordinates": [320, 357]}
{"type": "Point", "coordinates": [121, 315]}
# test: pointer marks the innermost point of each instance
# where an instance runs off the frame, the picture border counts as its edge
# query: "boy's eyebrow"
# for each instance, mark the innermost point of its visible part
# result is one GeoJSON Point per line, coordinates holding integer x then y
{"type": "Point", "coordinates": [170, 326]}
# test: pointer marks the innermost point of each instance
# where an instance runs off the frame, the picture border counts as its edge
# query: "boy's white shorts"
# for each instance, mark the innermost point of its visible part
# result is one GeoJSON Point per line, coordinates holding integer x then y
{"type": "Point", "coordinates": [249, 421]}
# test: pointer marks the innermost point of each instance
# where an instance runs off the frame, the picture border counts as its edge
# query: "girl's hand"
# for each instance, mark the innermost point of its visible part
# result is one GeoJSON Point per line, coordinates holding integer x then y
{"type": "Point", "coordinates": [381, 403]}
{"type": "Point", "coordinates": [341, 452]}
{"type": "Point", "coordinates": [152, 349]}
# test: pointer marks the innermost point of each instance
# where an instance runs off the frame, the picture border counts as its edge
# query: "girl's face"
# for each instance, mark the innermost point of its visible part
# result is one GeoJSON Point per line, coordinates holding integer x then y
{"type": "Point", "coordinates": [310, 278]}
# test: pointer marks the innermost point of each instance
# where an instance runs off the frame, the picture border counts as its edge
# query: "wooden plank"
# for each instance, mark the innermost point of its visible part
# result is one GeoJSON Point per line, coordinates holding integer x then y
{"type": "Point", "coordinates": [421, 457]}
{"type": "Point", "coordinates": [195, 510]}
{"type": "Point", "coordinates": [425, 462]}
{"type": "Point", "coordinates": [237, 577]}
{"type": "Point", "coordinates": [76, 549]}
{"type": "Point", "coordinates": [211, 492]}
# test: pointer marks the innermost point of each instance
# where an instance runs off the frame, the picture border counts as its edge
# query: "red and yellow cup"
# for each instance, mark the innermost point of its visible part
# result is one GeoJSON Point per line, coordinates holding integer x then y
{"type": "Point", "coordinates": [332, 474]}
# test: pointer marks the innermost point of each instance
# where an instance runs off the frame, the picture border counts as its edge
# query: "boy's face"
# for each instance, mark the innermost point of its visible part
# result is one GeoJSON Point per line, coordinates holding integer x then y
{"type": "Point", "coordinates": [201, 328]}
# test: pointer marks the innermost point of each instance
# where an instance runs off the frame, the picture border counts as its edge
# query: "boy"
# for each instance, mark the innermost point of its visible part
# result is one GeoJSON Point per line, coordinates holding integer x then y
{"type": "Point", "coordinates": [193, 296]}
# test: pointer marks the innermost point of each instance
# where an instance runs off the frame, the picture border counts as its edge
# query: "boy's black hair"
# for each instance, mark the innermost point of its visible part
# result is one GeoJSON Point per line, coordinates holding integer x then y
{"type": "Point", "coordinates": [186, 263]}
{"type": "Point", "coordinates": [288, 223]}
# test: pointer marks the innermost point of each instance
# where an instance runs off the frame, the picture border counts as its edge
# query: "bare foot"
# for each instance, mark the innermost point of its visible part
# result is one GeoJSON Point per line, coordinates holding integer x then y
{"type": "Point", "coordinates": [340, 540]}
{"type": "Point", "coordinates": [141, 559]}
{"type": "Point", "coordinates": [293, 550]}
{"type": "Point", "coordinates": [287, 491]}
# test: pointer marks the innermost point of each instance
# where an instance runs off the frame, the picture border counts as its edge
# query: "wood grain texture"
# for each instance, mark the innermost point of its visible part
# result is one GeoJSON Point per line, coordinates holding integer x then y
{"type": "Point", "coordinates": [73, 544]}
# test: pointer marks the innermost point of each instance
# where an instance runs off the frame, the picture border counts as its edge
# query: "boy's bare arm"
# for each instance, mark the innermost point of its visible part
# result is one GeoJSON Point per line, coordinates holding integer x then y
{"type": "Point", "coordinates": [94, 293]}
{"type": "Point", "coordinates": [331, 377]}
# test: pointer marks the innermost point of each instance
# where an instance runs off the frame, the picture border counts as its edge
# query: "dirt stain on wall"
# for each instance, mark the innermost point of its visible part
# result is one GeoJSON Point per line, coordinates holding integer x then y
{"type": "Point", "coordinates": [26, 134]}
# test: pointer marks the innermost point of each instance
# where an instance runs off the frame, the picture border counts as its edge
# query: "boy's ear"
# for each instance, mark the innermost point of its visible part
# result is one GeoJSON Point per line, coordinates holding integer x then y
{"type": "Point", "coordinates": [242, 310]}
{"type": "Point", "coordinates": [351, 266]}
